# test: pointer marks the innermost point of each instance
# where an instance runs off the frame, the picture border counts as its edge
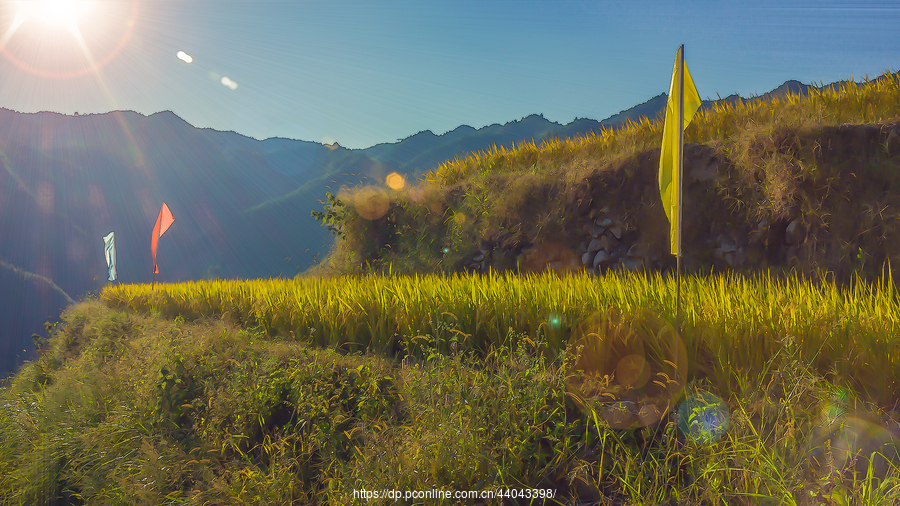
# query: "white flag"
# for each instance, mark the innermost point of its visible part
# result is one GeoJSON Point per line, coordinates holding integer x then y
{"type": "Point", "coordinates": [109, 248]}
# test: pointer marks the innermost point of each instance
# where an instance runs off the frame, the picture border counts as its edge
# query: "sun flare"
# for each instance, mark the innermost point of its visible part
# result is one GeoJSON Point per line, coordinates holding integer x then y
{"type": "Point", "coordinates": [54, 14]}
{"type": "Point", "coordinates": [64, 38]}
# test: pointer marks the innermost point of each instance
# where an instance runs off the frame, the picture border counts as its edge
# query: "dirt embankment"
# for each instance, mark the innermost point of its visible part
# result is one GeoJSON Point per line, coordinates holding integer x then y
{"type": "Point", "coordinates": [823, 201]}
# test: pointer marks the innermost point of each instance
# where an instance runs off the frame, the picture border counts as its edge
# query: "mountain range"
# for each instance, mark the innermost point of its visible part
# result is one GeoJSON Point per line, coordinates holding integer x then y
{"type": "Point", "coordinates": [241, 206]}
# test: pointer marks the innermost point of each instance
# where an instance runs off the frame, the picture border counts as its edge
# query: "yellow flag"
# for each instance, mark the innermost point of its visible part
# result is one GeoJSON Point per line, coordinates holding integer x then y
{"type": "Point", "coordinates": [670, 155]}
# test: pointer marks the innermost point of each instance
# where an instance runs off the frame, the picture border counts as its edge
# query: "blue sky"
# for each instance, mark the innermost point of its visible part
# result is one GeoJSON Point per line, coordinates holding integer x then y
{"type": "Point", "coordinates": [365, 72]}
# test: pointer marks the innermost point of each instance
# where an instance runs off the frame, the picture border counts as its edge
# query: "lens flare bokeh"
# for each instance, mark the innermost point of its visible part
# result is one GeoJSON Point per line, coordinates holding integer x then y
{"type": "Point", "coordinates": [848, 440]}
{"type": "Point", "coordinates": [629, 370]}
{"type": "Point", "coordinates": [395, 181]}
{"type": "Point", "coordinates": [703, 417]}
{"type": "Point", "coordinates": [371, 202]}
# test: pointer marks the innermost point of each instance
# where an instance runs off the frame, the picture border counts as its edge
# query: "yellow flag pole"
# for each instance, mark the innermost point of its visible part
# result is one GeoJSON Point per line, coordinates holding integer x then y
{"type": "Point", "coordinates": [678, 171]}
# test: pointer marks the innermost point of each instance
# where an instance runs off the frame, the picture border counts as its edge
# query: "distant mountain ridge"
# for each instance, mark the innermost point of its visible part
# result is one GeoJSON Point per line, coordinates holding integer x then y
{"type": "Point", "coordinates": [424, 151]}
{"type": "Point", "coordinates": [241, 206]}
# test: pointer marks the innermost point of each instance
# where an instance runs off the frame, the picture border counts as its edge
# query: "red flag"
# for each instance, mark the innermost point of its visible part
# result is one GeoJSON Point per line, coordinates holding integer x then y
{"type": "Point", "coordinates": [163, 222]}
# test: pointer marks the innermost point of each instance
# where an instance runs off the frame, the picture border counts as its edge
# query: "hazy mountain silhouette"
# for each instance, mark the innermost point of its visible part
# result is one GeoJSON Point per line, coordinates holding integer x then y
{"type": "Point", "coordinates": [241, 206]}
{"type": "Point", "coordinates": [425, 150]}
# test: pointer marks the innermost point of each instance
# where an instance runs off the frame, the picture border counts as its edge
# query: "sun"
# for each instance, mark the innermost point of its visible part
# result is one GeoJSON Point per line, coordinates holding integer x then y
{"type": "Point", "coordinates": [64, 38]}
{"type": "Point", "coordinates": [53, 14]}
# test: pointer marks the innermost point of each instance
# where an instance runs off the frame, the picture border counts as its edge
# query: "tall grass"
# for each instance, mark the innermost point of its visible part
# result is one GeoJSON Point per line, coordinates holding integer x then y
{"type": "Point", "coordinates": [869, 102]}
{"type": "Point", "coordinates": [738, 321]}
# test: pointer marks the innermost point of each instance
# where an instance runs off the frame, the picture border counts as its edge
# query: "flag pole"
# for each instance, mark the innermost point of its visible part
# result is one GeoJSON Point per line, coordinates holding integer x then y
{"type": "Point", "coordinates": [679, 186]}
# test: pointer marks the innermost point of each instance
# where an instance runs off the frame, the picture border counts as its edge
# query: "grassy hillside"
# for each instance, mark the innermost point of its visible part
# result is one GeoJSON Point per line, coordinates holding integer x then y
{"type": "Point", "coordinates": [571, 386]}
{"type": "Point", "coordinates": [797, 182]}
{"type": "Point", "coordinates": [146, 407]}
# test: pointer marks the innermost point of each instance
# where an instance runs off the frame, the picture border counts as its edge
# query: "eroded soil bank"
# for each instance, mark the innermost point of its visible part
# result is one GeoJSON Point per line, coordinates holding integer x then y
{"type": "Point", "coordinates": [820, 202]}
